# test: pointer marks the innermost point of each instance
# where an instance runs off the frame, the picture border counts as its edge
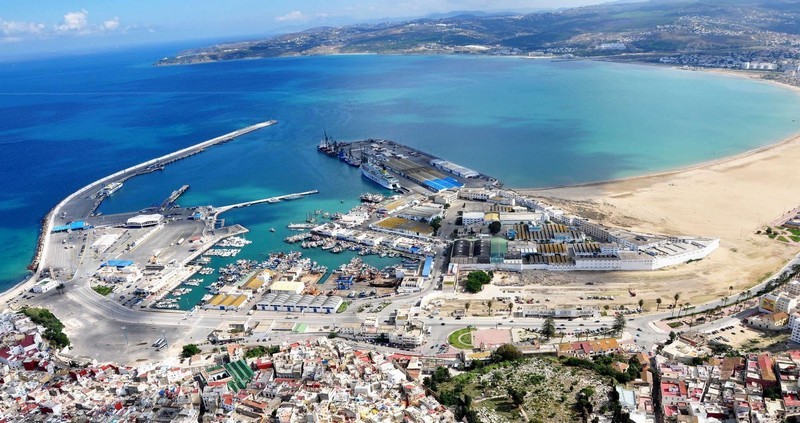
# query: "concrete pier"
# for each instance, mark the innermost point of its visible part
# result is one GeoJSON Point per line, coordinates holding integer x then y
{"type": "Point", "coordinates": [82, 203]}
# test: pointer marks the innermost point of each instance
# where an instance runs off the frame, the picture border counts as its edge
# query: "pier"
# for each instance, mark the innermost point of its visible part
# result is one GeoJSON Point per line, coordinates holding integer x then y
{"type": "Point", "coordinates": [81, 204]}
{"type": "Point", "coordinates": [170, 201]}
{"type": "Point", "coordinates": [279, 198]}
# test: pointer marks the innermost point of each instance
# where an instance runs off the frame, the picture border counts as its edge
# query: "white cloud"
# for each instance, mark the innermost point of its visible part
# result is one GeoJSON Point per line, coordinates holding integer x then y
{"type": "Point", "coordinates": [75, 21]}
{"type": "Point", "coordinates": [111, 24]}
{"type": "Point", "coordinates": [295, 15]}
{"type": "Point", "coordinates": [16, 28]}
{"type": "Point", "coordinates": [72, 24]}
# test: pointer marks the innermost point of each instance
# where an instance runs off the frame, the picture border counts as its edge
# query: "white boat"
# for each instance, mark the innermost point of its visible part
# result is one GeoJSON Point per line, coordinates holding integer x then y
{"type": "Point", "coordinates": [301, 225]}
{"type": "Point", "coordinates": [379, 176]}
{"type": "Point", "coordinates": [110, 189]}
{"type": "Point", "coordinates": [272, 229]}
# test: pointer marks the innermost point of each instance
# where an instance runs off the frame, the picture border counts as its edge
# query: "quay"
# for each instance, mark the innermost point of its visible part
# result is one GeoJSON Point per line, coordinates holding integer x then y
{"type": "Point", "coordinates": [170, 201]}
{"type": "Point", "coordinates": [279, 198]}
{"type": "Point", "coordinates": [82, 203]}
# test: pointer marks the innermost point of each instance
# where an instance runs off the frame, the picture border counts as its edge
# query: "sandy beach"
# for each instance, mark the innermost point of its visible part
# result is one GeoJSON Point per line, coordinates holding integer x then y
{"type": "Point", "coordinates": [730, 198]}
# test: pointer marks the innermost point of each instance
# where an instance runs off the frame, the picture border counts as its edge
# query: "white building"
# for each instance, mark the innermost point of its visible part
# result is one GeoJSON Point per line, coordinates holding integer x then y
{"type": "Point", "coordinates": [471, 218]}
{"type": "Point", "coordinates": [45, 285]}
{"type": "Point", "coordinates": [476, 194]}
{"type": "Point", "coordinates": [777, 303]}
{"type": "Point", "coordinates": [793, 288]}
{"type": "Point", "coordinates": [794, 324]}
{"type": "Point", "coordinates": [445, 197]}
{"type": "Point", "coordinates": [144, 220]}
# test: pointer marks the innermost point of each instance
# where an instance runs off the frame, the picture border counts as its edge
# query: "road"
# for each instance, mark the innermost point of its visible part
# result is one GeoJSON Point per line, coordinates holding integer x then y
{"type": "Point", "coordinates": [649, 335]}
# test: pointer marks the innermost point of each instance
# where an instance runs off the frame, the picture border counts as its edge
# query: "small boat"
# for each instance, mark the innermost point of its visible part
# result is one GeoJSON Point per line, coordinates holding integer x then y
{"type": "Point", "coordinates": [272, 229]}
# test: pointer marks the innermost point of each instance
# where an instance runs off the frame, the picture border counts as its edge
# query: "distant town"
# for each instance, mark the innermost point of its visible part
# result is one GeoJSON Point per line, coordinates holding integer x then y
{"type": "Point", "coordinates": [743, 35]}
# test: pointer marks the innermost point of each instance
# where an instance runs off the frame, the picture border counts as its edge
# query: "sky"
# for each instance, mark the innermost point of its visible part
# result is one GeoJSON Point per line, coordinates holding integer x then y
{"type": "Point", "coordinates": [57, 26]}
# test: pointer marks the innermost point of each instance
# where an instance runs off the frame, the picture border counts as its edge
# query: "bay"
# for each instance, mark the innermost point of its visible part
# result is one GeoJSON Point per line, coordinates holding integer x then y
{"type": "Point", "coordinates": [67, 121]}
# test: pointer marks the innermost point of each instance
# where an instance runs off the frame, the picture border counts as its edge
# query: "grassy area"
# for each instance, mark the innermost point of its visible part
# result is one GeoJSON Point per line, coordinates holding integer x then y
{"type": "Point", "coordinates": [53, 326]}
{"type": "Point", "coordinates": [793, 231]}
{"type": "Point", "coordinates": [461, 339]}
{"type": "Point", "coordinates": [546, 389]}
{"type": "Point", "coordinates": [782, 238]}
{"type": "Point", "coordinates": [102, 289]}
{"type": "Point", "coordinates": [674, 325]}
{"type": "Point", "coordinates": [343, 307]}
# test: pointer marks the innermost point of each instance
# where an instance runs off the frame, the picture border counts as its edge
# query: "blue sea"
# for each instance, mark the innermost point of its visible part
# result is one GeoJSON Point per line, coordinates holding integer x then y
{"type": "Point", "coordinates": [66, 121]}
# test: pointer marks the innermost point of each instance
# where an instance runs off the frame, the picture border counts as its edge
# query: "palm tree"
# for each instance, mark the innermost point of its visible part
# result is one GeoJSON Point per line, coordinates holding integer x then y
{"type": "Point", "coordinates": [641, 303]}
{"type": "Point", "coordinates": [466, 307]}
{"type": "Point", "coordinates": [510, 308]}
{"type": "Point", "coordinates": [730, 290]}
{"type": "Point", "coordinates": [658, 303]}
{"type": "Point", "coordinates": [677, 297]}
{"type": "Point", "coordinates": [489, 304]}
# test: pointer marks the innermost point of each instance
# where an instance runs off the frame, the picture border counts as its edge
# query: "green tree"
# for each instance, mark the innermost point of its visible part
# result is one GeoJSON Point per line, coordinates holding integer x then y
{"type": "Point", "coordinates": [549, 328]}
{"type": "Point", "coordinates": [436, 223]}
{"type": "Point", "coordinates": [333, 335]}
{"type": "Point", "coordinates": [658, 303]}
{"type": "Point", "coordinates": [441, 374]}
{"type": "Point", "coordinates": [495, 227]}
{"type": "Point", "coordinates": [517, 395]}
{"type": "Point", "coordinates": [190, 350]}
{"type": "Point", "coordinates": [473, 286]}
{"type": "Point", "coordinates": [507, 352]}
{"type": "Point", "coordinates": [619, 324]}
{"type": "Point", "coordinates": [583, 404]}
{"type": "Point", "coordinates": [641, 303]}
{"type": "Point", "coordinates": [476, 280]}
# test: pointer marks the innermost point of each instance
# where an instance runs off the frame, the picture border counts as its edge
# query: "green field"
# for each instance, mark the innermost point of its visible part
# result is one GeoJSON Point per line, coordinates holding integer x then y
{"type": "Point", "coordinates": [461, 339]}
{"type": "Point", "coordinates": [102, 289]}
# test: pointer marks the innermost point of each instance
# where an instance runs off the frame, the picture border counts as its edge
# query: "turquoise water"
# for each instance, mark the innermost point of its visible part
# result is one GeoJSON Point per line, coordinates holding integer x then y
{"type": "Point", "coordinates": [67, 121]}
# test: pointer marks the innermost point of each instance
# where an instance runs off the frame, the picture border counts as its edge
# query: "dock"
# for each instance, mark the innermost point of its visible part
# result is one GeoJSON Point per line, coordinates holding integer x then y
{"type": "Point", "coordinates": [277, 199]}
{"type": "Point", "coordinates": [170, 201]}
{"type": "Point", "coordinates": [81, 203]}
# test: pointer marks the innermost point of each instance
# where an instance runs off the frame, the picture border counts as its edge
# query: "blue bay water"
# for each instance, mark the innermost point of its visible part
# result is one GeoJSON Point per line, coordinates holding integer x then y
{"type": "Point", "coordinates": [67, 121]}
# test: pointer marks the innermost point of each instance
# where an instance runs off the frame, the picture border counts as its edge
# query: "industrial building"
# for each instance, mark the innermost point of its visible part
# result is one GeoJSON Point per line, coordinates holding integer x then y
{"type": "Point", "coordinates": [455, 169]}
{"type": "Point", "coordinates": [227, 302]}
{"type": "Point", "coordinates": [144, 220]}
{"type": "Point", "coordinates": [72, 226]}
{"type": "Point", "coordinates": [299, 303]}
{"type": "Point", "coordinates": [287, 287]}
{"type": "Point", "coordinates": [399, 225]}
{"type": "Point", "coordinates": [422, 174]}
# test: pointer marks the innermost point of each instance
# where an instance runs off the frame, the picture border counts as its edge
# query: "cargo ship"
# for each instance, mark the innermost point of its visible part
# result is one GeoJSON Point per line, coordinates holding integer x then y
{"type": "Point", "coordinates": [331, 147]}
{"type": "Point", "coordinates": [379, 176]}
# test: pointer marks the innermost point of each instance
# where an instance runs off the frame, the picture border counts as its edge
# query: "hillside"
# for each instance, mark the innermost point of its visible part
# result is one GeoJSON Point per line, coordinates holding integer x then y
{"type": "Point", "coordinates": [655, 27]}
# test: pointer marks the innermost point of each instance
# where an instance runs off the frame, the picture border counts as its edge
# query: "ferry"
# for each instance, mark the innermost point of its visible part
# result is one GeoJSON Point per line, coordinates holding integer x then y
{"type": "Point", "coordinates": [110, 189]}
{"type": "Point", "coordinates": [302, 225]}
{"type": "Point", "coordinates": [379, 176]}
